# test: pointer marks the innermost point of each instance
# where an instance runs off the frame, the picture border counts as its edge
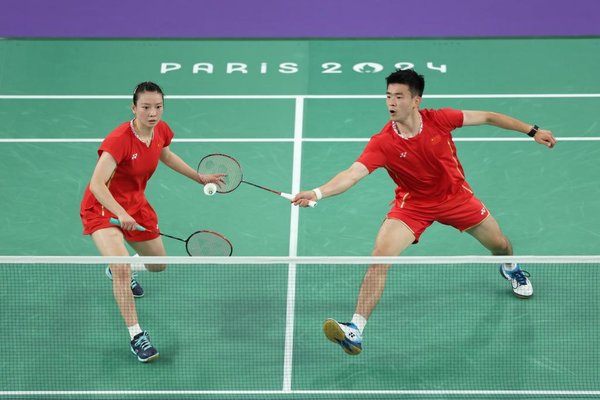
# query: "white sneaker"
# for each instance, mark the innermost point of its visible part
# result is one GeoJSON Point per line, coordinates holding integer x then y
{"type": "Point", "coordinates": [346, 334]}
{"type": "Point", "coordinates": [519, 279]}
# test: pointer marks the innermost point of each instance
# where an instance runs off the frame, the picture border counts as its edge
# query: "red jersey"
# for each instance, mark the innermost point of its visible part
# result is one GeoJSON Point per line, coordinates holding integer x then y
{"type": "Point", "coordinates": [425, 167]}
{"type": "Point", "coordinates": [136, 163]}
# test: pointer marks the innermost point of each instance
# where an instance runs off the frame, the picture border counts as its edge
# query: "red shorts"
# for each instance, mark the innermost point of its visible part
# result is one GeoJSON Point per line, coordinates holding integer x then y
{"type": "Point", "coordinates": [93, 220]}
{"type": "Point", "coordinates": [463, 211]}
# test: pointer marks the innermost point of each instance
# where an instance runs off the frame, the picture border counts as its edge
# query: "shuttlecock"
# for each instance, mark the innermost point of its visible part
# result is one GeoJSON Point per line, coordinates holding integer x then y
{"type": "Point", "coordinates": [210, 189]}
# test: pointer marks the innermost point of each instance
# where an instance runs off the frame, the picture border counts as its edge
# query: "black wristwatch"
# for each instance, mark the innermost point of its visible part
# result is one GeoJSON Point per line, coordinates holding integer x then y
{"type": "Point", "coordinates": [533, 131]}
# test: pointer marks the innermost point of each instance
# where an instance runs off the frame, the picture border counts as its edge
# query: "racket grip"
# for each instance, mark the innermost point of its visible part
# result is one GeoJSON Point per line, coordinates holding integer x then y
{"type": "Point", "coordinates": [290, 197]}
{"type": "Point", "coordinates": [117, 222]}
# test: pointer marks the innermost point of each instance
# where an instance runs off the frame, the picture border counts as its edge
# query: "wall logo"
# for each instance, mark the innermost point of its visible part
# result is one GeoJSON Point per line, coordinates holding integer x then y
{"type": "Point", "coordinates": [289, 68]}
{"type": "Point", "coordinates": [367, 68]}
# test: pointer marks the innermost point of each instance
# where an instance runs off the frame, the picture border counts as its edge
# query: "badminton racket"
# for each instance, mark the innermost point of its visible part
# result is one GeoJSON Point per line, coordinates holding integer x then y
{"type": "Point", "coordinates": [199, 244]}
{"type": "Point", "coordinates": [224, 164]}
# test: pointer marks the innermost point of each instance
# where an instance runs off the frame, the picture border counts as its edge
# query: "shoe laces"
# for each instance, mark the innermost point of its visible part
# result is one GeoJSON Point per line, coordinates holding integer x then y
{"type": "Point", "coordinates": [143, 341]}
{"type": "Point", "coordinates": [520, 277]}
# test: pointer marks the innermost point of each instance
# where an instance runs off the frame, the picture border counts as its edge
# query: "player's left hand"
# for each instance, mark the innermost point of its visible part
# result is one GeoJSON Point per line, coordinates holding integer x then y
{"type": "Point", "coordinates": [545, 137]}
{"type": "Point", "coordinates": [217, 179]}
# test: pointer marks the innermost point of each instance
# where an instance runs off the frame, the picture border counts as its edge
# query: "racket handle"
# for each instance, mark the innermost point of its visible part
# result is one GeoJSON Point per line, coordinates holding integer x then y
{"type": "Point", "coordinates": [290, 197]}
{"type": "Point", "coordinates": [117, 222]}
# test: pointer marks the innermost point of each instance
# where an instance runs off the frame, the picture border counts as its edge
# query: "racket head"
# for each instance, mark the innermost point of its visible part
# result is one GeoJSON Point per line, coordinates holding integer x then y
{"type": "Point", "coordinates": [222, 164]}
{"type": "Point", "coordinates": [208, 244]}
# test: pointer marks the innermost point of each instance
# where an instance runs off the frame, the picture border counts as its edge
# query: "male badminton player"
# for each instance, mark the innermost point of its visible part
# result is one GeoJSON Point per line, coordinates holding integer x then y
{"type": "Point", "coordinates": [416, 149]}
{"type": "Point", "coordinates": [128, 157]}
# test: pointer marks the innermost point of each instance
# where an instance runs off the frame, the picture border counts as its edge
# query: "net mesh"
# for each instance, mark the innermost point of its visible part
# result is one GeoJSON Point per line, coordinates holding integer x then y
{"type": "Point", "coordinates": [222, 164]}
{"type": "Point", "coordinates": [252, 328]}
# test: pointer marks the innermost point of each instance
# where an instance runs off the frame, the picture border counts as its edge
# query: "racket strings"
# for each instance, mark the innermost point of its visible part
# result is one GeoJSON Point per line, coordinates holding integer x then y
{"type": "Point", "coordinates": [208, 244]}
{"type": "Point", "coordinates": [222, 164]}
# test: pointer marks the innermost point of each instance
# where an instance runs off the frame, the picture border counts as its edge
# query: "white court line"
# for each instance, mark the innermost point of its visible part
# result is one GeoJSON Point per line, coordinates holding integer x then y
{"type": "Point", "coordinates": [294, 140]}
{"type": "Point", "coordinates": [293, 250]}
{"type": "Point", "coordinates": [304, 96]}
{"type": "Point", "coordinates": [427, 393]}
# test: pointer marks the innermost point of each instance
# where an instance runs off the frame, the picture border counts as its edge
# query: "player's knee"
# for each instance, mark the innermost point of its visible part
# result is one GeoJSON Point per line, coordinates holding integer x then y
{"type": "Point", "coordinates": [502, 247]}
{"type": "Point", "coordinates": [381, 251]}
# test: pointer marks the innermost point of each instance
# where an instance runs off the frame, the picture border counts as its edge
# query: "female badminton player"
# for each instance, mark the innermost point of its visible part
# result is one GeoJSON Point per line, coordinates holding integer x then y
{"type": "Point", "coordinates": [128, 157]}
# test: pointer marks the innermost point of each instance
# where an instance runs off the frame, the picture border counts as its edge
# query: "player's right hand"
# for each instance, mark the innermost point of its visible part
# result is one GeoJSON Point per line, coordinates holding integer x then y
{"type": "Point", "coordinates": [302, 198]}
{"type": "Point", "coordinates": [127, 222]}
{"type": "Point", "coordinates": [217, 179]}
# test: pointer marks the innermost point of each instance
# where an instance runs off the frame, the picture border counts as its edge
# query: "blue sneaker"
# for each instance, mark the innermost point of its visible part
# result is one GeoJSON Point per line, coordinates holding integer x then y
{"type": "Point", "coordinates": [142, 348]}
{"type": "Point", "coordinates": [136, 288]}
{"type": "Point", "coordinates": [519, 279]}
{"type": "Point", "coordinates": [345, 334]}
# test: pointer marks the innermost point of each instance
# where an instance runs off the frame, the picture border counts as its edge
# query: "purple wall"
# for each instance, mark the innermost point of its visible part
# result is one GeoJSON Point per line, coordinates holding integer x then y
{"type": "Point", "coordinates": [297, 18]}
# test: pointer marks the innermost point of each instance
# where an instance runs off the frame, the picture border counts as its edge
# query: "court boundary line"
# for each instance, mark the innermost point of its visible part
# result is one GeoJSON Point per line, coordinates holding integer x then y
{"type": "Point", "coordinates": [288, 353]}
{"type": "Point", "coordinates": [307, 392]}
{"type": "Point", "coordinates": [293, 140]}
{"type": "Point", "coordinates": [303, 96]}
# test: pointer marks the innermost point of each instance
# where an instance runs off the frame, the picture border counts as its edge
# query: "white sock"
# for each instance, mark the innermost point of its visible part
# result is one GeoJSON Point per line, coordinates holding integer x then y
{"type": "Point", "coordinates": [359, 321]}
{"type": "Point", "coordinates": [510, 266]}
{"type": "Point", "coordinates": [137, 267]}
{"type": "Point", "coordinates": [134, 330]}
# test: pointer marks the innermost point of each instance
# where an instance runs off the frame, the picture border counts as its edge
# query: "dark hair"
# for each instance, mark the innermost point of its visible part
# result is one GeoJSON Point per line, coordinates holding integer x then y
{"type": "Point", "coordinates": [414, 81]}
{"type": "Point", "coordinates": [146, 87]}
